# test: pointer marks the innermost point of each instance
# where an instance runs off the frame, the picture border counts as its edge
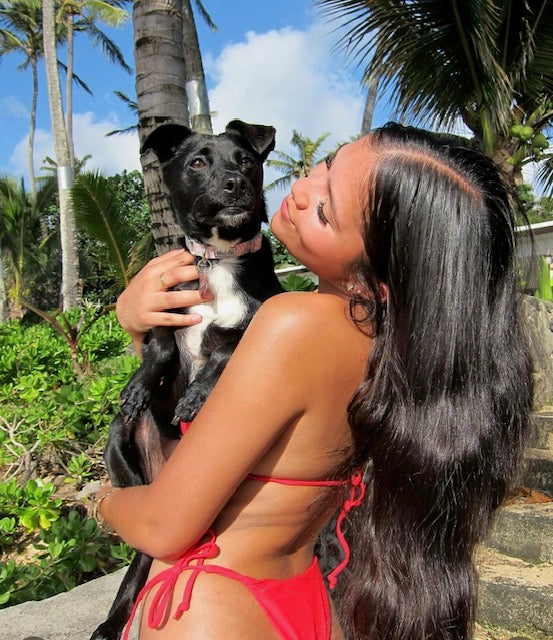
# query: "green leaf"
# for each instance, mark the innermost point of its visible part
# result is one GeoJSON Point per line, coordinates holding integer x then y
{"type": "Point", "coordinates": [545, 289]}
{"type": "Point", "coordinates": [29, 520]}
{"type": "Point", "coordinates": [55, 549]}
{"type": "Point", "coordinates": [295, 282]}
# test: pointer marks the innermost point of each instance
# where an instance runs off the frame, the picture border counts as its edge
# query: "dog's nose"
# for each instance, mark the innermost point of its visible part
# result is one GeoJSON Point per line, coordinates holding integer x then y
{"type": "Point", "coordinates": [235, 185]}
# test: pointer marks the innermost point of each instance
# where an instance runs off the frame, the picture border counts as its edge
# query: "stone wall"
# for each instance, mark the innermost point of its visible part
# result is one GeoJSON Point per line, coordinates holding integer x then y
{"type": "Point", "coordinates": [538, 318]}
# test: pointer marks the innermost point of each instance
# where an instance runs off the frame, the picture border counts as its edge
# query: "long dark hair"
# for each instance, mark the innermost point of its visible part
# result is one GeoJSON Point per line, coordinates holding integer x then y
{"type": "Point", "coordinates": [444, 409]}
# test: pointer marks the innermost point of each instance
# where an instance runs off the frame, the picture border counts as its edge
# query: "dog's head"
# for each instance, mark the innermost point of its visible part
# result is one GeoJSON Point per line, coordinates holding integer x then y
{"type": "Point", "coordinates": [215, 181]}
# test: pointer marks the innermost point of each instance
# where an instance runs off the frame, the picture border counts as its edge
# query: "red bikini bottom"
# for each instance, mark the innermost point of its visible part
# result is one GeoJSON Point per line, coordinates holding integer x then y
{"type": "Point", "coordinates": [297, 607]}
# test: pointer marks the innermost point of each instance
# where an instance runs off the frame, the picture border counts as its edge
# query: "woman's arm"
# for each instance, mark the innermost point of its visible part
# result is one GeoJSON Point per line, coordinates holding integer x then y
{"type": "Point", "coordinates": [145, 301]}
{"type": "Point", "coordinates": [264, 387]}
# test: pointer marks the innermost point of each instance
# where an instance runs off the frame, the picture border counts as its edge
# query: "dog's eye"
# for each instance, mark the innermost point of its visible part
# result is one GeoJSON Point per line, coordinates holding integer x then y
{"type": "Point", "coordinates": [198, 163]}
{"type": "Point", "coordinates": [247, 163]}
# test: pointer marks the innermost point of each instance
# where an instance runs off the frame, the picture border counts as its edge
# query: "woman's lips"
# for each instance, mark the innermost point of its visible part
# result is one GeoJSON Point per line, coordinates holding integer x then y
{"type": "Point", "coordinates": [285, 212]}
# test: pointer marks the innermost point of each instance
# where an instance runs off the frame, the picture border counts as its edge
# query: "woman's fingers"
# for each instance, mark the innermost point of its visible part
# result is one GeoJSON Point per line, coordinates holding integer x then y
{"type": "Point", "coordinates": [148, 297]}
{"type": "Point", "coordinates": [175, 257]}
{"type": "Point", "coordinates": [174, 275]}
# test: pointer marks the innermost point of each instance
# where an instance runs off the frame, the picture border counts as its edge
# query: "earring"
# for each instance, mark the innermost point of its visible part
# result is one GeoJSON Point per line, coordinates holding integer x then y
{"type": "Point", "coordinates": [349, 287]}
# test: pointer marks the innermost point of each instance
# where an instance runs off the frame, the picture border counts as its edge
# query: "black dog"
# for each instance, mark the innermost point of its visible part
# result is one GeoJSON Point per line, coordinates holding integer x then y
{"type": "Point", "coordinates": [215, 184]}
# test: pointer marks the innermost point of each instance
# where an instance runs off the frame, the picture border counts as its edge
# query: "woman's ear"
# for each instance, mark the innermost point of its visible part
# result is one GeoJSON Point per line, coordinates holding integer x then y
{"type": "Point", "coordinates": [359, 290]}
{"type": "Point", "coordinates": [355, 288]}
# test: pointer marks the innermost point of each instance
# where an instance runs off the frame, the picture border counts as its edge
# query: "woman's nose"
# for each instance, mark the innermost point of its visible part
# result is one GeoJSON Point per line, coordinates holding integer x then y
{"type": "Point", "coordinates": [299, 194]}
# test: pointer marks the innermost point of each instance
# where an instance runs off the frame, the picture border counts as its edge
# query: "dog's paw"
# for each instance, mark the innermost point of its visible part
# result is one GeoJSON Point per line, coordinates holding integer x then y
{"type": "Point", "coordinates": [135, 398]}
{"type": "Point", "coordinates": [106, 632]}
{"type": "Point", "coordinates": [189, 405]}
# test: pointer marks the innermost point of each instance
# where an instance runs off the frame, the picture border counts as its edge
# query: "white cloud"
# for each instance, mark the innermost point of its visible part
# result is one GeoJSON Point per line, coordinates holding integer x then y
{"type": "Point", "coordinates": [110, 155]}
{"type": "Point", "coordinates": [11, 106]}
{"type": "Point", "coordinates": [289, 79]}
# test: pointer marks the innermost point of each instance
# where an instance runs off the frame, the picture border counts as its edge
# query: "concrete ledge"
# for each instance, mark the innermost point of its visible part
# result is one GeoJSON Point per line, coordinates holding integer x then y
{"type": "Point", "coordinates": [72, 615]}
{"type": "Point", "coordinates": [514, 594]}
{"type": "Point", "coordinates": [537, 471]}
{"type": "Point", "coordinates": [544, 430]}
{"type": "Point", "coordinates": [524, 531]}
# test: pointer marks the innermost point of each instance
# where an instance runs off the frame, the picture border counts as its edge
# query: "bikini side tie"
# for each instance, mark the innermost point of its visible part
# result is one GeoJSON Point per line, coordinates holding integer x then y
{"type": "Point", "coordinates": [357, 493]}
{"type": "Point", "coordinates": [168, 578]}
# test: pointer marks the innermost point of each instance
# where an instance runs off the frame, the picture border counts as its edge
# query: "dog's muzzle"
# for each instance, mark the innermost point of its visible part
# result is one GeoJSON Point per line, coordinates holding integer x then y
{"type": "Point", "coordinates": [233, 216]}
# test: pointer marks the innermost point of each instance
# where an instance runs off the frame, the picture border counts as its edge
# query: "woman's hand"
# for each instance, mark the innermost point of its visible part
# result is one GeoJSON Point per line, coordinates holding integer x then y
{"type": "Point", "coordinates": [144, 303]}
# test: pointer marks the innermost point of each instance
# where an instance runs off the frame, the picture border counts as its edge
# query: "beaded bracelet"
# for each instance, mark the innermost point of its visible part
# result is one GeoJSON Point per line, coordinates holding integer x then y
{"type": "Point", "coordinates": [97, 515]}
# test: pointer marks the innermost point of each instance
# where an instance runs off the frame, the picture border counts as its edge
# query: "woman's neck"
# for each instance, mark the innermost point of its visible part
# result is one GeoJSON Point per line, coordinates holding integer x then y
{"type": "Point", "coordinates": [326, 287]}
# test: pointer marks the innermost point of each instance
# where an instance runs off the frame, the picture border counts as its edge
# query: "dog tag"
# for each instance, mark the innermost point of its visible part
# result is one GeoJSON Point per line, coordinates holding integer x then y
{"type": "Point", "coordinates": [204, 267]}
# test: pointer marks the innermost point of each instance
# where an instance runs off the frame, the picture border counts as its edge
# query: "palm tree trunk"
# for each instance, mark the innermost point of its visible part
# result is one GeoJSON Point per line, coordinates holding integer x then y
{"type": "Point", "coordinates": [70, 281]}
{"type": "Point", "coordinates": [161, 97]}
{"type": "Point", "coordinates": [32, 129]}
{"type": "Point", "coordinates": [370, 102]}
{"type": "Point", "coordinates": [196, 90]}
{"type": "Point", "coordinates": [3, 296]}
{"type": "Point", "coordinates": [69, 91]}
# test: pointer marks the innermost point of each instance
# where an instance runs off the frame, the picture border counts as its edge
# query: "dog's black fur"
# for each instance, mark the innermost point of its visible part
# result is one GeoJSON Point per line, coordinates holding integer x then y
{"type": "Point", "coordinates": [215, 184]}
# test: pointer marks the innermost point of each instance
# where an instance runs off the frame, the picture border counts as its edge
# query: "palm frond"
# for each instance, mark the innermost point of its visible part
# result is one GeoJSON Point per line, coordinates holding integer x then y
{"type": "Point", "coordinates": [76, 78]}
{"type": "Point", "coordinates": [282, 182]}
{"type": "Point", "coordinates": [425, 48]}
{"type": "Point", "coordinates": [133, 106]}
{"type": "Point", "coordinates": [544, 175]}
{"type": "Point", "coordinates": [108, 46]}
{"type": "Point", "coordinates": [97, 211]}
{"type": "Point", "coordinates": [205, 15]}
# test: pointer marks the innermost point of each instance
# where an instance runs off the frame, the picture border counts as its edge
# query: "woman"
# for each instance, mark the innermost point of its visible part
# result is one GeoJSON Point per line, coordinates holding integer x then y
{"type": "Point", "coordinates": [408, 364]}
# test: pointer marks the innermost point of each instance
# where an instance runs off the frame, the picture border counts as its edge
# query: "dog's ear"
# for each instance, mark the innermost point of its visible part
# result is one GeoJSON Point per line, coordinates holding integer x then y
{"type": "Point", "coordinates": [260, 136]}
{"type": "Point", "coordinates": [165, 140]}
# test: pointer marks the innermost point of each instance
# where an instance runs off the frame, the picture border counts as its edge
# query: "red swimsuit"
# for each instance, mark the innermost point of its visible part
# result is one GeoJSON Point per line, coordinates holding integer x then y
{"type": "Point", "coordinates": [297, 607]}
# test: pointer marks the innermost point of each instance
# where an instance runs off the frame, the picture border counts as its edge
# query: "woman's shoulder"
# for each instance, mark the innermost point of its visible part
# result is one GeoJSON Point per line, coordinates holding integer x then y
{"type": "Point", "coordinates": [301, 321]}
{"type": "Point", "coordinates": [302, 310]}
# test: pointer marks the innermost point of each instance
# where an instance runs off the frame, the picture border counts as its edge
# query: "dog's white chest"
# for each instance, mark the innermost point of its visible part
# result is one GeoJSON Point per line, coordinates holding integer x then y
{"type": "Point", "coordinates": [227, 310]}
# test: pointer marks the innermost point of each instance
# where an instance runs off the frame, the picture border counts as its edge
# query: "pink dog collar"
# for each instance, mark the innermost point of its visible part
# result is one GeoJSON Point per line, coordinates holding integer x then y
{"type": "Point", "coordinates": [209, 252]}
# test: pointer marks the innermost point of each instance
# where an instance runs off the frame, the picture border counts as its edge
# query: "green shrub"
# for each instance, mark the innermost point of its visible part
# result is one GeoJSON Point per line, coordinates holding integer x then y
{"type": "Point", "coordinates": [54, 423]}
{"type": "Point", "coordinates": [45, 402]}
{"type": "Point", "coordinates": [70, 552]}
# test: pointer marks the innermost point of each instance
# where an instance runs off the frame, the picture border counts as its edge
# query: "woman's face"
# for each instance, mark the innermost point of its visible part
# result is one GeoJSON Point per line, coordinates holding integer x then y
{"type": "Point", "coordinates": [320, 221]}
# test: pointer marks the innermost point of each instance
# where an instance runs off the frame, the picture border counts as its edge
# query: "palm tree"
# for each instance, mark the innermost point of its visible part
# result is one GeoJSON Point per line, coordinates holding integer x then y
{"type": "Point", "coordinates": [22, 256]}
{"type": "Point", "coordinates": [70, 264]}
{"type": "Point", "coordinates": [81, 16]}
{"type": "Point", "coordinates": [296, 167]}
{"type": "Point", "coordinates": [199, 113]}
{"type": "Point", "coordinates": [21, 31]}
{"type": "Point", "coordinates": [168, 69]}
{"type": "Point", "coordinates": [486, 64]}
{"type": "Point", "coordinates": [161, 97]}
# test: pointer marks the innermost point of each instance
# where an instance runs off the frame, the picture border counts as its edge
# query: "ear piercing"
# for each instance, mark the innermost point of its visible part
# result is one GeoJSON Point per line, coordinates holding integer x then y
{"type": "Point", "coordinates": [350, 289]}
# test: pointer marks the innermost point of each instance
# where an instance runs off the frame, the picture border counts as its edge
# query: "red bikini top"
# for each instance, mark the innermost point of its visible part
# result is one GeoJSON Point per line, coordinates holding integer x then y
{"type": "Point", "coordinates": [356, 495]}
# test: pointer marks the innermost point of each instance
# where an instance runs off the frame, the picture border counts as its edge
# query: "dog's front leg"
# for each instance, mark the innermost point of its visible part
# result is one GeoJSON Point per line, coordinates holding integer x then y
{"type": "Point", "coordinates": [133, 581]}
{"type": "Point", "coordinates": [122, 456]}
{"type": "Point", "coordinates": [197, 391]}
{"type": "Point", "coordinates": [160, 359]}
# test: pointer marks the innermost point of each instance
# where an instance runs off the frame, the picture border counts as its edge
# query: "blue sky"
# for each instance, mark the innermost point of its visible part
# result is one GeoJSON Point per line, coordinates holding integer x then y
{"type": "Point", "coordinates": [271, 65]}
